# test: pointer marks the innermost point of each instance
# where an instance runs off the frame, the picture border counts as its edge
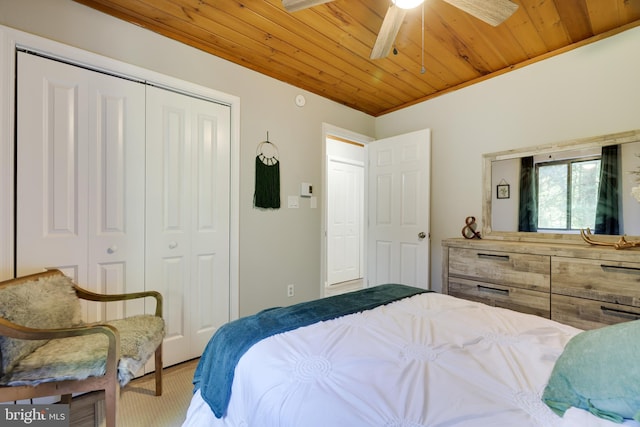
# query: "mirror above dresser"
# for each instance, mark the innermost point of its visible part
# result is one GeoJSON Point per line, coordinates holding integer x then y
{"type": "Point", "coordinates": [502, 178]}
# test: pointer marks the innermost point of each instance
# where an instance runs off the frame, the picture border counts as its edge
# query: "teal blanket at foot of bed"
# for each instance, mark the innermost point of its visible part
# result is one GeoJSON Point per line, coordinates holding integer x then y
{"type": "Point", "coordinates": [214, 374]}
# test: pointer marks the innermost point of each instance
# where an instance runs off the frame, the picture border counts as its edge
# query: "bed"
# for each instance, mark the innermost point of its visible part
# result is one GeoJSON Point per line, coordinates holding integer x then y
{"type": "Point", "coordinates": [410, 360]}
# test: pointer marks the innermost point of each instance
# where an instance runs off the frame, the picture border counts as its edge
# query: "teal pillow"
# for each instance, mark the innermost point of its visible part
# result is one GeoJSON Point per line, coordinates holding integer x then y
{"type": "Point", "coordinates": [599, 371]}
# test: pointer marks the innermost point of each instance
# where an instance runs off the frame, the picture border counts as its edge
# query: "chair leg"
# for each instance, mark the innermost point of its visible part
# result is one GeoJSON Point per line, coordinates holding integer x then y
{"type": "Point", "coordinates": [158, 366]}
{"type": "Point", "coordinates": [111, 396]}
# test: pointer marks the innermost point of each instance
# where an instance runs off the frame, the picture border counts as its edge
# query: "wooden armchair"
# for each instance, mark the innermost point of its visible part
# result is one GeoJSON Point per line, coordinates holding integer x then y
{"type": "Point", "coordinates": [46, 350]}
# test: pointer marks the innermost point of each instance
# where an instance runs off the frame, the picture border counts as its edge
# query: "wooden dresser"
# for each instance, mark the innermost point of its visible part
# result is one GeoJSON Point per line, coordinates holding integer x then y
{"type": "Point", "coordinates": [577, 284]}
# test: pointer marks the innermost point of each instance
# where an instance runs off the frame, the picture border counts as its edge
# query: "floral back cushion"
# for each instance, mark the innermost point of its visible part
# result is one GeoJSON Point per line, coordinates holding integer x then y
{"type": "Point", "coordinates": [47, 303]}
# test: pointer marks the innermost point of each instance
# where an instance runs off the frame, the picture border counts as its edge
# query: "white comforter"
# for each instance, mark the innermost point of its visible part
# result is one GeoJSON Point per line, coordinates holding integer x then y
{"type": "Point", "coordinates": [429, 360]}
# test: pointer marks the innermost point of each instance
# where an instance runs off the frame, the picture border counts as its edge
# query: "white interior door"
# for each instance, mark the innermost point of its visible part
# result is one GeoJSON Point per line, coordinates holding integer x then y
{"type": "Point", "coordinates": [398, 243]}
{"type": "Point", "coordinates": [80, 151]}
{"type": "Point", "coordinates": [187, 202]}
{"type": "Point", "coordinates": [344, 225]}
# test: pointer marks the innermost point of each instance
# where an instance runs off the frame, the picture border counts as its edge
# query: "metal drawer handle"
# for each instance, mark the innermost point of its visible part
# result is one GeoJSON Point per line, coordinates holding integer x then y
{"type": "Point", "coordinates": [618, 267]}
{"type": "Point", "coordinates": [618, 312]}
{"type": "Point", "coordinates": [493, 256]}
{"type": "Point", "coordinates": [491, 289]}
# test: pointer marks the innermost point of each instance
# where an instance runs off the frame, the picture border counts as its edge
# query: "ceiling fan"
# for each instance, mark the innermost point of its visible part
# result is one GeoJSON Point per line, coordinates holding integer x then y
{"type": "Point", "coordinates": [493, 12]}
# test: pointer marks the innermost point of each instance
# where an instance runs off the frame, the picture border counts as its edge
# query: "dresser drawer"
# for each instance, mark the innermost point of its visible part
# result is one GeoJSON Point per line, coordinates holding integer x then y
{"type": "Point", "coordinates": [590, 314]}
{"type": "Point", "coordinates": [503, 268]}
{"type": "Point", "coordinates": [607, 281]}
{"type": "Point", "coordinates": [518, 299]}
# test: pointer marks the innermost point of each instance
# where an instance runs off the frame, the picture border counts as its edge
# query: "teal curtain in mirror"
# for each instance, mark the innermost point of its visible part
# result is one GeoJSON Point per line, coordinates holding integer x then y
{"type": "Point", "coordinates": [528, 204]}
{"type": "Point", "coordinates": [607, 210]}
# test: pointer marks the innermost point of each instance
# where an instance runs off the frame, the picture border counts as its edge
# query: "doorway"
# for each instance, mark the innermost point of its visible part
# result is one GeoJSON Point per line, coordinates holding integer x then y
{"type": "Point", "coordinates": [345, 215]}
{"type": "Point", "coordinates": [344, 225]}
{"type": "Point", "coordinates": [389, 232]}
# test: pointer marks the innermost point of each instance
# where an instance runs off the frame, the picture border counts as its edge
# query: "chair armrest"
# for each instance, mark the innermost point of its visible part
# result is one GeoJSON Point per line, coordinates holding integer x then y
{"type": "Point", "coordinates": [13, 330]}
{"type": "Point", "coordinates": [92, 296]}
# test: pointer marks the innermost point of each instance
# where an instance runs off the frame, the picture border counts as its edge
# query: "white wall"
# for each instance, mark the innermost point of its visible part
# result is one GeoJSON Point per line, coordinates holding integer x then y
{"type": "Point", "coordinates": [505, 211]}
{"type": "Point", "coordinates": [276, 247]}
{"type": "Point", "coordinates": [589, 91]}
{"type": "Point", "coordinates": [630, 207]}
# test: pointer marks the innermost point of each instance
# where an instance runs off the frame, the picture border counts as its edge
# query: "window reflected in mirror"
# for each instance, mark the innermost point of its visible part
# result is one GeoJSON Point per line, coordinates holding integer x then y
{"type": "Point", "coordinates": [561, 189]}
{"type": "Point", "coordinates": [567, 194]}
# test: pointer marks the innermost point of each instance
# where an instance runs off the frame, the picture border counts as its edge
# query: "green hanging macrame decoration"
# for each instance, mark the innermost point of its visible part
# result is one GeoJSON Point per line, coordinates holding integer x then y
{"type": "Point", "coordinates": [267, 191]}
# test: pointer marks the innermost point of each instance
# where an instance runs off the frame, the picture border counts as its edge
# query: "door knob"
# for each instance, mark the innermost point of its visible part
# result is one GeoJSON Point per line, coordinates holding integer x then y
{"type": "Point", "coordinates": [422, 235]}
{"type": "Point", "coordinates": [112, 249]}
{"type": "Point", "coordinates": [173, 245]}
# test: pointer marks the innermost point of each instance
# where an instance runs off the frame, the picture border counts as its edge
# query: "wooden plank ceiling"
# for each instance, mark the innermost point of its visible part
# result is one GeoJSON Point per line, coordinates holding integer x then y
{"type": "Point", "coordinates": [325, 49]}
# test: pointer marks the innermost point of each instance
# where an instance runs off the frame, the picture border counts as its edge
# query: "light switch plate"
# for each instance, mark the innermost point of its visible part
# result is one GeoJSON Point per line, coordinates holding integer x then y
{"type": "Point", "coordinates": [306, 189]}
{"type": "Point", "coordinates": [293, 202]}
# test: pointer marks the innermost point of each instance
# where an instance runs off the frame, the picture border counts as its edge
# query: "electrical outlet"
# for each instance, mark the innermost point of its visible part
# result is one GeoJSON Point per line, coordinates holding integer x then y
{"type": "Point", "coordinates": [290, 290]}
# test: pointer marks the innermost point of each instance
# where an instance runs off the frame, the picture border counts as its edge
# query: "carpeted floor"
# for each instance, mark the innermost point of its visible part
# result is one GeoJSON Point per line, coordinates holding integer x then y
{"type": "Point", "coordinates": [138, 406]}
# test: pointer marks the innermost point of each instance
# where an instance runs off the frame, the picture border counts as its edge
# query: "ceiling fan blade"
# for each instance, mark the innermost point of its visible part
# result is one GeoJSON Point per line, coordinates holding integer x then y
{"type": "Point", "coordinates": [295, 5]}
{"type": "Point", "coordinates": [493, 12]}
{"type": "Point", "coordinates": [388, 32]}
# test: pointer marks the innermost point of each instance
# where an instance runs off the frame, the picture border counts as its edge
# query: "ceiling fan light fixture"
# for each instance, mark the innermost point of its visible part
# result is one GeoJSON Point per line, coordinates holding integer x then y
{"type": "Point", "coordinates": [407, 4]}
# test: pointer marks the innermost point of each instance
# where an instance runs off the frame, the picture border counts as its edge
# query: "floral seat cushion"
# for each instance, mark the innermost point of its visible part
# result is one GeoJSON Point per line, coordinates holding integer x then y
{"type": "Point", "coordinates": [85, 356]}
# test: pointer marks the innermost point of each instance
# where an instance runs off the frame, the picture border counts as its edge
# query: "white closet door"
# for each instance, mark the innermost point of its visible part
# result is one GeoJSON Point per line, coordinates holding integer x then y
{"type": "Point", "coordinates": [80, 178]}
{"type": "Point", "coordinates": [187, 244]}
{"type": "Point", "coordinates": [344, 228]}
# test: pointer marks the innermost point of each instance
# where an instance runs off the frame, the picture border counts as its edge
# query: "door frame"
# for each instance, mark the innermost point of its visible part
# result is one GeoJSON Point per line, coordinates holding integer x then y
{"type": "Point", "coordinates": [340, 133]}
{"type": "Point", "coordinates": [10, 41]}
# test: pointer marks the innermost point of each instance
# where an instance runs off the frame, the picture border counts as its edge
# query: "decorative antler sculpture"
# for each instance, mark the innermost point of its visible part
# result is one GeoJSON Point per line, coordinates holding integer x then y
{"type": "Point", "coordinates": [622, 243]}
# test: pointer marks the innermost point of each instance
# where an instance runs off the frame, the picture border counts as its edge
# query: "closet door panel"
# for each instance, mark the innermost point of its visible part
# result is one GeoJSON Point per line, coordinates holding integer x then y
{"type": "Point", "coordinates": [80, 183]}
{"type": "Point", "coordinates": [116, 196]}
{"type": "Point", "coordinates": [188, 216]}
{"type": "Point", "coordinates": [168, 208]}
{"type": "Point", "coordinates": [111, 278]}
{"type": "Point", "coordinates": [173, 288]}
{"type": "Point", "coordinates": [210, 227]}
{"type": "Point", "coordinates": [52, 128]}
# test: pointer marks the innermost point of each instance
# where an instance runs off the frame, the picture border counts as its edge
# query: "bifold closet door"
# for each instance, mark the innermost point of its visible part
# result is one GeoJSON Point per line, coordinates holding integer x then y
{"type": "Point", "coordinates": [125, 187]}
{"type": "Point", "coordinates": [80, 178]}
{"type": "Point", "coordinates": [187, 217]}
